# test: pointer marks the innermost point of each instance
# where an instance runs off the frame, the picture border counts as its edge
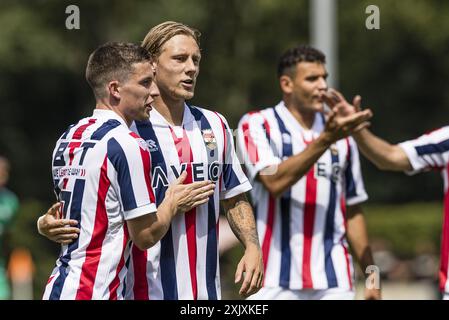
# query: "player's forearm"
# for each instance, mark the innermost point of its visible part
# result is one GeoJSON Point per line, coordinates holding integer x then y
{"type": "Point", "coordinates": [294, 168]}
{"type": "Point", "coordinates": [241, 220]}
{"type": "Point", "coordinates": [382, 154]}
{"type": "Point", "coordinates": [146, 231]}
{"type": "Point", "coordinates": [165, 214]}
{"type": "Point", "coordinates": [357, 235]}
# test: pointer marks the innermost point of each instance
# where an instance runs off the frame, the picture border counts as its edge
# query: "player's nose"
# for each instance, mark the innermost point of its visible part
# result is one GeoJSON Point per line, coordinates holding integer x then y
{"type": "Point", "coordinates": [191, 67]}
{"type": "Point", "coordinates": [322, 84]}
{"type": "Point", "coordinates": [154, 91]}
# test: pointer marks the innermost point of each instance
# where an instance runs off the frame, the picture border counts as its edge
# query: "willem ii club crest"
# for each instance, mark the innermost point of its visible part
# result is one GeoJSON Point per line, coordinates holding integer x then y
{"type": "Point", "coordinates": [209, 139]}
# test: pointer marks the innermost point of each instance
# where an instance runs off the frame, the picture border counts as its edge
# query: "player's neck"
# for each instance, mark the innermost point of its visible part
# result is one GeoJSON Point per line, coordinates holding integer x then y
{"type": "Point", "coordinates": [171, 110]}
{"type": "Point", "coordinates": [104, 106]}
{"type": "Point", "coordinates": [305, 118]}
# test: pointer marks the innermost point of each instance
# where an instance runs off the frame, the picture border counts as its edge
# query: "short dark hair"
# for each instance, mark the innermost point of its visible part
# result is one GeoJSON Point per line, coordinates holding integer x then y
{"type": "Point", "coordinates": [113, 61]}
{"type": "Point", "coordinates": [295, 55]}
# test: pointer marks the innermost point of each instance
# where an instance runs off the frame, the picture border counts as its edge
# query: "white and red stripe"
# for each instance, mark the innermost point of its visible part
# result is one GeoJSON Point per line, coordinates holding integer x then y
{"type": "Point", "coordinates": [185, 264]}
{"type": "Point", "coordinates": [431, 151]}
{"type": "Point", "coordinates": [305, 259]}
{"type": "Point", "coordinates": [185, 155]}
{"type": "Point", "coordinates": [103, 179]}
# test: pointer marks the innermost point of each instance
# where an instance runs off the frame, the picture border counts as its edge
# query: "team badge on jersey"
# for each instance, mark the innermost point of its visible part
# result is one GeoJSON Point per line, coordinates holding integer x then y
{"type": "Point", "coordinates": [209, 139]}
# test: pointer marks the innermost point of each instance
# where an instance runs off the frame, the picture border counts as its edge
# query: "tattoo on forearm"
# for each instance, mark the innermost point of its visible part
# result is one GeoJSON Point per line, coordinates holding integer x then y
{"type": "Point", "coordinates": [242, 223]}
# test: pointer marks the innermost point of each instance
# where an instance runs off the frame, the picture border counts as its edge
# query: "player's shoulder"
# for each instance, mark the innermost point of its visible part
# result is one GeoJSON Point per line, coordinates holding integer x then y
{"type": "Point", "coordinates": [206, 112]}
{"type": "Point", "coordinates": [213, 117]}
{"type": "Point", "coordinates": [257, 115]}
{"type": "Point", "coordinates": [116, 133]}
{"type": "Point", "coordinates": [72, 127]}
{"type": "Point", "coordinates": [125, 143]}
{"type": "Point", "coordinates": [442, 132]}
{"type": "Point", "coordinates": [433, 136]}
{"type": "Point", "coordinates": [125, 136]}
{"type": "Point", "coordinates": [91, 127]}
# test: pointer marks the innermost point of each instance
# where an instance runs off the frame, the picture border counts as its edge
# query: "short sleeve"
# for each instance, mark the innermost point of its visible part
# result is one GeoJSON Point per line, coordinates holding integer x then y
{"type": "Point", "coordinates": [130, 158]}
{"type": "Point", "coordinates": [254, 145]}
{"type": "Point", "coordinates": [429, 151]}
{"type": "Point", "coordinates": [234, 180]}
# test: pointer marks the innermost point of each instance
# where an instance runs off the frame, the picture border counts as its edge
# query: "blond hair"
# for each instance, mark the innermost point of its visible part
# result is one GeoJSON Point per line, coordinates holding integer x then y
{"type": "Point", "coordinates": [160, 34]}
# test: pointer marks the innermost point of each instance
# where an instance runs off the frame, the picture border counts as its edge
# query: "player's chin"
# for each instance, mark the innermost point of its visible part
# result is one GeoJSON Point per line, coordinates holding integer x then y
{"type": "Point", "coordinates": [318, 106]}
{"type": "Point", "coordinates": [144, 115]}
{"type": "Point", "coordinates": [188, 94]}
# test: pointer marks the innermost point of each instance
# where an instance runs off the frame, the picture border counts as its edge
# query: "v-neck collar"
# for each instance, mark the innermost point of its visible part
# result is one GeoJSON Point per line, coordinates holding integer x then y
{"type": "Point", "coordinates": [291, 122]}
{"type": "Point", "coordinates": [157, 119]}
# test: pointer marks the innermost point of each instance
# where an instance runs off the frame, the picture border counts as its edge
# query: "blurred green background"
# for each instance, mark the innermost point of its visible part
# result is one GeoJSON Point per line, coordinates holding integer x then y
{"type": "Point", "coordinates": [401, 71]}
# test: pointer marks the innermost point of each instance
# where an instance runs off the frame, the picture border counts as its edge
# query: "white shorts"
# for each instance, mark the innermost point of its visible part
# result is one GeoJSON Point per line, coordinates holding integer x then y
{"type": "Point", "coordinates": [278, 293]}
{"type": "Point", "coordinates": [446, 296]}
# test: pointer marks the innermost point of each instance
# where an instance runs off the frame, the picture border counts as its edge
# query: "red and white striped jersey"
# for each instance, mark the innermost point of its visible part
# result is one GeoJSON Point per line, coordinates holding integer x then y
{"type": "Point", "coordinates": [101, 173]}
{"type": "Point", "coordinates": [185, 263]}
{"type": "Point", "coordinates": [431, 151]}
{"type": "Point", "coordinates": [302, 232]}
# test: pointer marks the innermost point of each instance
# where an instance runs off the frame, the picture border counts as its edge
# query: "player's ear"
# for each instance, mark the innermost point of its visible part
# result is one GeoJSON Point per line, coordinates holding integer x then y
{"type": "Point", "coordinates": [154, 65]}
{"type": "Point", "coordinates": [286, 84]}
{"type": "Point", "coordinates": [114, 89]}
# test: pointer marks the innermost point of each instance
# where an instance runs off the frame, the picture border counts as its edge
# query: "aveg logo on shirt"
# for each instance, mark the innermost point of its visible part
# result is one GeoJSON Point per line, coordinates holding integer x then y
{"type": "Point", "coordinates": [199, 173]}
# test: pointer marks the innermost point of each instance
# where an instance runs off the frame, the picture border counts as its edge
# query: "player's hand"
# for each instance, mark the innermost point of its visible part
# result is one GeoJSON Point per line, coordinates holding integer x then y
{"type": "Point", "coordinates": [338, 127]}
{"type": "Point", "coordinates": [62, 231]}
{"type": "Point", "coordinates": [185, 197]}
{"type": "Point", "coordinates": [372, 293]}
{"type": "Point", "coordinates": [250, 270]}
{"type": "Point", "coordinates": [338, 104]}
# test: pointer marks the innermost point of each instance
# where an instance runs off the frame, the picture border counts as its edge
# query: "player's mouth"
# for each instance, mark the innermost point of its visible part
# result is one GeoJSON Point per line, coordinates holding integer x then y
{"type": "Point", "coordinates": [188, 84]}
{"type": "Point", "coordinates": [148, 107]}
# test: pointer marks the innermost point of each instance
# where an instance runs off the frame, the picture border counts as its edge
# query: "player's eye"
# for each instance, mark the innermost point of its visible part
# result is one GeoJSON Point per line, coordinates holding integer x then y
{"type": "Point", "coordinates": [180, 58]}
{"type": "Point", "coordinates": [146, 82]}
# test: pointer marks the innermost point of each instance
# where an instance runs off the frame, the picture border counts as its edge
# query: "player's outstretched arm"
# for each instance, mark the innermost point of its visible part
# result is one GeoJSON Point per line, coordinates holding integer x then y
{"type": "Point", "coordinates": [381, 153]}
{"type": "Point", "coordinates": [145, 231]}
{"type": "Point", "coordinates": [295, 167]}
{"type": "Point", "coordinates": [250, 268]}
{"type": "Point", "coordinates": [62, 231]}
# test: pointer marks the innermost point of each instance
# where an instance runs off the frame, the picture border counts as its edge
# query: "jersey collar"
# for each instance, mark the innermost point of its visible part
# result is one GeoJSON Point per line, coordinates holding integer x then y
{"type": "Point", "coordinates": [108, 114]}
{"type": "Point", "coordinates": [293, 124]}
{"type": "Point", "coordinates": [157, 119]}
